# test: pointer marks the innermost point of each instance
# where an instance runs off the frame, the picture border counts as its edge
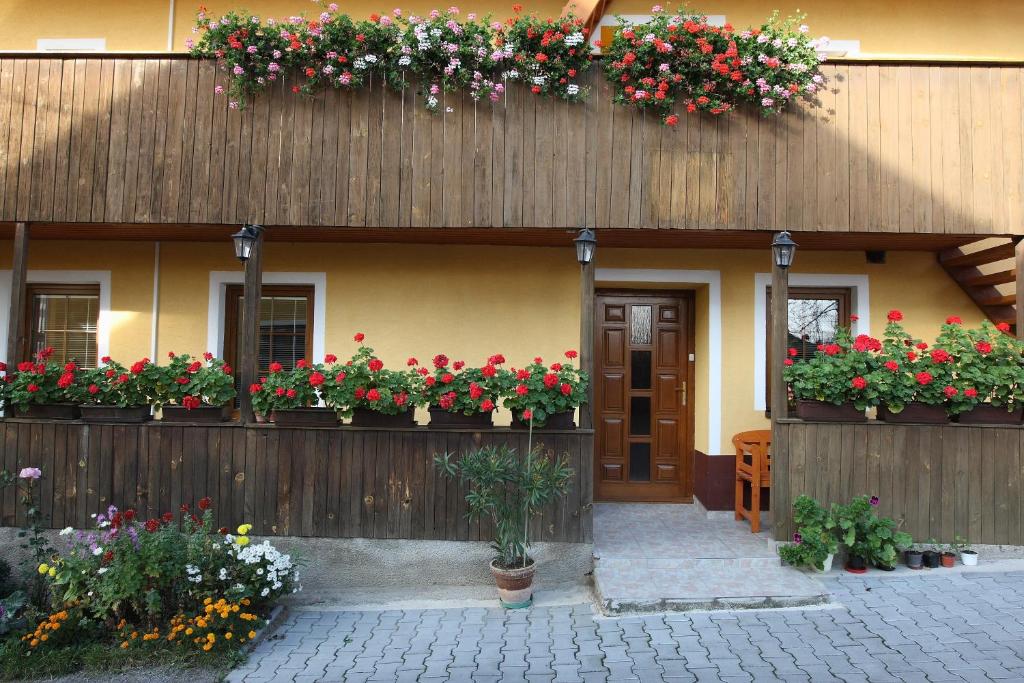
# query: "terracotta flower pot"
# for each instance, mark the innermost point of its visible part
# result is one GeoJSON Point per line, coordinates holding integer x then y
{"type": "Point", "coordinates": [948, 559]}
{"type": "Point", "coordinates": [115, 414]}
{"type": "Point", "coordinates": [515, 586]}
{"type": "Point", "coordinates": [50, 411]}
{"type": "Point", "coordinates": [364, 417]}
{"type": "Point", "coordinates": [444, 419]}
{"type": "Point", "coordinates": [305, 417]}
{"type": "Point", "coordinates": [200, 415]}
{"type": "Point", "coordinates": [914, 412]}
{"type": "Point", "coordinates": [821, 411]}
{"type": "Point", "coordinates": [987, 414]}
{"type": "Point", "coordinates": [562, 420]}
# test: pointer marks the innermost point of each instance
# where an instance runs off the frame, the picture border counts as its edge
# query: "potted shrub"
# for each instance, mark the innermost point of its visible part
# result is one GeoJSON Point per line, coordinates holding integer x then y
{"type": "Point", "coordinates": [551, 393]}
{"type": "Point", "coordinates": [989, 373]}
{"type": "Point", "coordinates": [834, 385]}
{"type": "Point", "coordinates": [463, 397]}
{"type": "Point", "coordinates": [290, 398]}
{"type": "Point", "coordinates": [968, 555]}
{"type": "Point", "coordinates": [869, 539]}
{"type": "Point", "coordinates": [510, 489]}
{"type": "Point", "coordinates": [814, 542]}
{"type": "Point", "coordinates": [114, 393]}
{"type": "Point", "coordinates": [914, 382]}
{"type": "Point", "coordinates": [369, 393]}
{"type": "Point", "coordinates": [44, 389]}
{"type": "Point", "coordinates": [195, 391]}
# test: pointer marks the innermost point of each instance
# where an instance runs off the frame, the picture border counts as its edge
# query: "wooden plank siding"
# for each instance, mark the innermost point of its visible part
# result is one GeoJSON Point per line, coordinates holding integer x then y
{"type": "Point", "coordinates": [342, 482]}
{"type": "Point", "coordinates": [936, 481]}
{"type": "Point", "coordinates": [886, 148]}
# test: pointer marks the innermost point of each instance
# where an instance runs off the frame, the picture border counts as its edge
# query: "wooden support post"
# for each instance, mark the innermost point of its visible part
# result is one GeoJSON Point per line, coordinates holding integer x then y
{"type": "Point", "coordinates": [250, 328]}
{"type": "Point", "coordinates": [16, 332]}
{"type": "Point", "coordinates": [587, 341]}
{"type": "Point", "coordinates": [1018, 305]}
{"type": "Point", "coordinates": [779, 396]}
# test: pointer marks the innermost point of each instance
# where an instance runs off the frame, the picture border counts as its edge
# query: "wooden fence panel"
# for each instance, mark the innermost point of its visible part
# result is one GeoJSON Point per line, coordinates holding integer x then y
{"type": "Point", "coordinates": [342, 482]}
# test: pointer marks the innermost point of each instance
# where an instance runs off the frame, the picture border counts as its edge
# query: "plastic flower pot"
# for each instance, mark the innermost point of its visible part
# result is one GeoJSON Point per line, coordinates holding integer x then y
{"type": "Point", "coordinates": [305, 417]}
{"type": "Point", "coordinates": [915, 559]}
{"type": "Point", "coordinates": [987, 414]}
{"type": "Point", "coordinates": [826, 565]}
{"type": "Point", "coordinates": [114, 414]}
{"type": "Point", "coordinates": [947, 559]}
{"type": "Point", "coordinates": [364, 417]}
{"type": "Point", "coordinates": [50, 411]}
{"type": "Point", "coordinates": [931, 559]}
{"type": "Point", "coordinates": [444, 419]}
{"type": "Point", "coordinates": [821, 411]}
{"type": "Point", "coordinates": [515, 586]}
{"type": "Point", "coordinates": [885, 567]}
{"type": "Point", "coordinates": [856, 565]}
{"type": "Point", "coordinates": [562, 420]}
{"type": "Point", "coordinates": [969, 558]}
{"type": "Point", "coordinates": [200, 415]}
{"type": "Point", "coordinates": [914, 412]}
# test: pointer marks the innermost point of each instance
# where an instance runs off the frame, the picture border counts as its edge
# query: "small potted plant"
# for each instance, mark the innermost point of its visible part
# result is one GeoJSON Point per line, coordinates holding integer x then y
{"type": "Point", "coordinates": [463, 397]}
{"type": "Point", "coordinates": [930, 554]}
{"type": "Point", "coordinates": [510, 489]}
{"type": "Point", "coordinates": [44, 389]}
{"type": "Point", "coordinates": [835, 384]}
{"type": "Point", "coordinates": [989, 373]}
{"type": "Point", "coordinates": [195, 391]}
{"type": "Point", "coordinates": [914, 381]}
{"type": "Point", "coordinates": [551, 393]}
{"type": "Point", "coordinates": [946, 556]}
{"type": "Point", "coordinates": [369, 393]}
{"type": "Point", "coordinates": [968, 555]}
{"type": "Point", "coordinates": [914, 557]}
{"type": "Point", "coordinates": [114, 393]}
{"type": "Point", "coordinates": [869, 539]}
{"type": "Point", "coordinates": [291, 398]}
{"type": "Point", "coordinates": [814, 542]}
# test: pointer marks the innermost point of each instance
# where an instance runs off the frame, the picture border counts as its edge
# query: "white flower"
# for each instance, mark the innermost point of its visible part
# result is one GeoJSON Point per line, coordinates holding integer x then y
{"type": "Point", "coordinates": [223, 574]}
{"type": "Point", "coordinates": [265, 592]}
{"type": "Point", "coordinates": [97, 551]}
{"type": "Point", "coordinates": [572, 89]}
{"type": "Point", "coordinates": [804, 28]}
{"type": "Point", "coordinates": [101, 570]}
{"type": "Point", "coordinates": [404, 60]}
{"type": "Point", "coordinates": [67, 531]}
{"type": "Point", "coordinates": [370, 58]}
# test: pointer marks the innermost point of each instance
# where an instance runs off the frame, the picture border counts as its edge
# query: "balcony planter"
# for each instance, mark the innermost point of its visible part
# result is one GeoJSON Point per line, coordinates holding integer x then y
{"type": "Point", "coordinates": [305, 417]}
{"type": "Point", "coordinates": [113, 414]}
{"type": "Point", "coordinates": [50, 411]}
{"type": "Point", "coordinates": [988, 414]}
{"type": "Point", "coordinates": [822, 411]}
{"type": "Point", "coordinates": [443, 419]}
{"type": "Point", "coordinates": [919, 413]}
{"type": "Point", "coordinates": [200, 415]}
{"type": "Point", "coordinates": [562, 420]}
{"type": "Point", "coordinates": [364, 417]}
{"type": "Point", "coordinates": [515, 586]}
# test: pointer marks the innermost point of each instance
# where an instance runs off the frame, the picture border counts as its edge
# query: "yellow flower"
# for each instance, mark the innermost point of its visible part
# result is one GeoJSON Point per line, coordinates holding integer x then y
{"type": "Point", "coordinates": [124, 645]}
{"type": "Point", "coordinates": [228, 635]}
{"type": "Point", "coordinates": [244, 529]}
{"type": "Point", "coordinates": [43, 568]}
{"type": "Point", "coordinates": [252, 634]}
{"type": "Point", "coordinates": [242, 540]}
{"type": "Point", "coordinates": [211, 637]}
{"type": "Point", "coordinates": [207, 601]}
{"type": "Point", "coordinates": [188, 631]}
{"type": "Point", "coordinates": [207, 647]}
{"type": "Point", "coordinates": [52, 572]}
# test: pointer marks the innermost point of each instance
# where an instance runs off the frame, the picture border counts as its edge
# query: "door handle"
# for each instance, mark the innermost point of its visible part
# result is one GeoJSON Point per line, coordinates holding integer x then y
{"type": "Point", "coordinates": [682, 394]}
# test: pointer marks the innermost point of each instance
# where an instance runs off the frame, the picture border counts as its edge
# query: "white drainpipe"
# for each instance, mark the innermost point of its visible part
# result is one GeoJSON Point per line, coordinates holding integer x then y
{"type": "Point", "coordinates": [170, 29]}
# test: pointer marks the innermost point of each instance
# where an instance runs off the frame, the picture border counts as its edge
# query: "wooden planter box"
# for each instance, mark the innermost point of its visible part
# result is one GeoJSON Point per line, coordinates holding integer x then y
{"type": "Point", "coordinates": [133, 414]}
{"type": "Point", "coordinates": [51, 411]}
{"type": "Point", "coordinates": [821, 411]}
{"type": "Point", "coordinates": [364, 417]}
{"type": "Point", "coordinates": [918, 413]}
{"type": "Point", "coordinates": [443, 419]}
{"type": "Point", "coordinates": [562, 420]}
{"type": "Point", "coordinates": [305, 417]}
{"type": "Point", "coordinates": [986, 414]}
{"type": "Point", "coordinates": [200, 415]}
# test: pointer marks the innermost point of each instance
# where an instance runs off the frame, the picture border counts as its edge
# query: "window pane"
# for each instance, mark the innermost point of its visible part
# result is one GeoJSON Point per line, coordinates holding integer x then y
{"type": "Point", "coordinates": [812, 322]}
{"type": "Point", "coordinates": [640, 324]}
{"type": "Point", "coordinates": [640, 369]}
{"type": "Point", "coordinates": [639, 462]}
{"type": "Point", "coordinates": [66, 322]}
{"type": "Point", "coordinates": [640, 415]}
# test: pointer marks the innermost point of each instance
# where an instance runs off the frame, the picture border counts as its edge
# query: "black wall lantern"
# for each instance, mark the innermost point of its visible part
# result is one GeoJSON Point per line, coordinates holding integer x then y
{"type": "Point", "coordinates": [783, 250]}
{"type": "Point", "coordinates": [586, 245]}
{"type": "Point", "coordinates": [245, 240]}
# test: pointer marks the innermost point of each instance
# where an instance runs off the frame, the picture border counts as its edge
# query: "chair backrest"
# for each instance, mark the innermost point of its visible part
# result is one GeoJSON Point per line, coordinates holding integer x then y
{"type": "Point", "coordinates": [757, 442]}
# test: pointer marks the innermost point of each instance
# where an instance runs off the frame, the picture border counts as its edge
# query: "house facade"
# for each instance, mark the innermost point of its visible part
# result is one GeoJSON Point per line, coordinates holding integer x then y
{"type": "Point", "coordinates": [123, 175]}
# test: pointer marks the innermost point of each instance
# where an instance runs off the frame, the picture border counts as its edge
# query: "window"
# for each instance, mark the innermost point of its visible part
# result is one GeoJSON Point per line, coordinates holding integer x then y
{"type": "Point", "coordinates": [286, 325]}
{"type": "Point", "coordinates": [815, 314]}
{"type": "Point", "coordinates": [64, 317]}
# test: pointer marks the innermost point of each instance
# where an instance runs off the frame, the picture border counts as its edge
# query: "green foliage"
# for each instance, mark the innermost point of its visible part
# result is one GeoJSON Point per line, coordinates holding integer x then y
{"type": "Point", "coordinates": [300, 387]}
{"type": "Point", "coordinates": [545, 390]}
{"type": "Point", "coordinates": [364, 382]}
{"type": "Point", "coordinates": [467, 390]}
{"type": "Point", "coordinates": [42, 381]}
{"type": "Point", "coordinates": [866, 535]}
{"type": "Point", "coordinates": [548, 54]}
{"type": "Point", "coordinates": [989, 366]}
{"type": "Point", "coordinates": [111, 384]}
{"type": "Point", "coordinates": [838, 373]}
{"type": "Point", "coordinates": [193, 383]}
{"type": "Point", "coordinates": [814, 539]}
{"type": "Point", "coordinates": [510, 489]}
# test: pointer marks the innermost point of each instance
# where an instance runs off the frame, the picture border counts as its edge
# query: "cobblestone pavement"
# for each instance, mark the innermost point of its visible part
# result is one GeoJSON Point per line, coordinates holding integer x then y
{"type": "Point", "coordinates": [939, 626]}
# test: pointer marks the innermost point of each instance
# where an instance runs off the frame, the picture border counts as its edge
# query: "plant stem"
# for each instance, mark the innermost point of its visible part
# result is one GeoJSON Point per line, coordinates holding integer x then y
{"type": "Point", "coordinates": [526, 507]}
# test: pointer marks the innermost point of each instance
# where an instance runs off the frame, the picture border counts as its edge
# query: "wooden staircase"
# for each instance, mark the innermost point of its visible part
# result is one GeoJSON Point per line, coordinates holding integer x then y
{"type": "Point", "coordinates": [989, 276]}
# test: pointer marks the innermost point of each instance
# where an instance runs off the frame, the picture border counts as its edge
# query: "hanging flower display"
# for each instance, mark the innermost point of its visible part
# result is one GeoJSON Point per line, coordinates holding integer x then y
{"type": "Point", "coordinates": [548, 55]}
{"type": "Point", "coordinates": [344, 53]}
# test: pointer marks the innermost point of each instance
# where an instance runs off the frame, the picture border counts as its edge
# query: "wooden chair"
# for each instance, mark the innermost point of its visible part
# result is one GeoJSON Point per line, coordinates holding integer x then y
{"type": "Point", "coordinates": [754, 466]}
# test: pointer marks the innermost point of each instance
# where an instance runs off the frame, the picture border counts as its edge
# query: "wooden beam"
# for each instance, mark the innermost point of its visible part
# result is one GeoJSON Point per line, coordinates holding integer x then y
{"type": "Point", "coordinates": [16, 332]}
{"type": "Point", "coordinates": [1018, 252]}
{"type": "Point", "coordinates": [956, 258]}
{"type": "Point", "coordinates": [250, 328]}
{"type": "Point", "coordinates": [587, 341]}
{"type": "Point", "coordinates": [776, 355]}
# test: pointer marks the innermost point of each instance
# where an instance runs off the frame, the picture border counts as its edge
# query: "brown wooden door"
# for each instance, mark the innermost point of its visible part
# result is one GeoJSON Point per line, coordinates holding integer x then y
{"type": "Point", "coordinates": [643, 396]}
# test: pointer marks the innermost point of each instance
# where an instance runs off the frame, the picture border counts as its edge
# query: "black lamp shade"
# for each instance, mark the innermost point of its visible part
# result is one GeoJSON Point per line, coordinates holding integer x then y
{"type": "Point", "coordinates": [245, 240]}
{"type": "Point", "coordinates": [783, 250]}
{"type": "Point", "coordinates": [586, 245]}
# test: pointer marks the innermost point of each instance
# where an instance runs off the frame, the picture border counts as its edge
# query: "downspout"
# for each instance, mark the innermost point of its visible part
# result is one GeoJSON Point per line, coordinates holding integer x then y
{"type": "Point", "coordinates": [170, 37]}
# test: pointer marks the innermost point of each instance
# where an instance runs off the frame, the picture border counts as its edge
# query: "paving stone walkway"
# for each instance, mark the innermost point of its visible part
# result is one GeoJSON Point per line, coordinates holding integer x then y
{"type": "Point", "coordinates": [936, 626]}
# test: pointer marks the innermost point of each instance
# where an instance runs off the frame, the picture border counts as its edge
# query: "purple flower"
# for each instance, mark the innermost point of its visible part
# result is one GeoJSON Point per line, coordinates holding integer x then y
{"type": "Point", "coordinates": [798, 539]}
{"type": "Point", "coordinates": [30, 473]}
{"type": "Point", "coordinates": [874, 500]}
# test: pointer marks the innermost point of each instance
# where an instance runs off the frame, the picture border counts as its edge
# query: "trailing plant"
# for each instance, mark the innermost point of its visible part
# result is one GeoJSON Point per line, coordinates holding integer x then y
{"type": "Point", "coordinates": [280, 389]}
{"type": "Point", "coordinates": [193, 383]}
{"type": "Point", "coordinates": [546, 390]}
{"type": "Point", "coordinates": [510, 489]}
{"type": "Point", "coordinates": [112, 384]}
{"type": "Point", "coordinates": [43, 381]}
{"type": "Point", "coordinates": [364, 382]}
{"type": "Point", "coordinates": [815, 537]}
{"type": "Point", "coordinates": [548, 55]}
{"type": "Point", "coordinates": [344, 53]}
{"type": "Point", "coordinates": [467, 390]}
{"type": "Point", "coordinates": [866, 535]}
{"type": "Point", "coordinates": [839, 372]}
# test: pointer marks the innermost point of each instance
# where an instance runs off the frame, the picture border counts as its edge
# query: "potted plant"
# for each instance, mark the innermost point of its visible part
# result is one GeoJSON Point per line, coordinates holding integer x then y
{"type": "Point", "coordinates": [968, 555]}
{"type": "Point", "coordinates": [914, 558]}
{"type": "Point", "coordinates": [551, 393]}
{"type": "Point", "coordinates": [930, 554]}
{"type": "Point", "coordinates": [114, 393]}
{"type": "Point", "coordinates": [369, 393]}
{"type": "Point", "coordinates": [814, 542]}
{"type": "Point", "coordinates": [869, 539]}
{"type": "Point", "coordinates": [989, 373]}
{"type": "Point", "coordinates": [834, 385]}
{"type": "Point", "coordinates": [946, 556]}
{"type": "Point", "coordinates": [914, 382]}
{"type": "Point", "coordinates": [510, 489]}
{"type": "Point", "coordinates": [291, 398]}
{"type": "Point", "coordinates": [195, 391]}
{"type": "Point", "coordinates": [463, 397]}
{"type": "Point", "coordinates": [44, 389]}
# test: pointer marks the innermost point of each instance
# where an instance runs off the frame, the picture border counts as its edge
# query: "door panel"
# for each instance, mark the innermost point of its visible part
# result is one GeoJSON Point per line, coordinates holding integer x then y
{"type": "Point", "coordinates": [642, 381]}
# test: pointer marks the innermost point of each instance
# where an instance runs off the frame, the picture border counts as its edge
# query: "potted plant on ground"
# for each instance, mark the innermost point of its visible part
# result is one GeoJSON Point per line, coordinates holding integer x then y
{"type": "Point", "coordinates": [869, 539]}
{"type": "Point", "coordinates": [914, 557]}
{"type": "Point", "coordinates": [369, 393]}
{"type": "Point", "coordinates": [551, 393]}
{"type": "Point", "coordinates": [510, 489]}
{"type": "Point", "coordinates": [989, 373]}
{"type": "Point", "coordinates": [463, 397]}
{"type": "Point", "coordinates": [291, 398]}
{"type": "Point", "coordinates": [946, 556]}
{"type": "Point", "coordinates": [44, 389]}
{"type": "Point", "coordinates": [195, 391]}
{"type": "Point", "coordinates": [834, 385]}
{"type": "Point", "coordinates": [914, 382]}
{"type": "Point", "coordinates": [114, 393]}
{"type": "Point", "coordinates": [968, 555]}
{"type": "Point", "coordinates": [930, 554]}
{"type": "Point", "coordinates": [814, 543]}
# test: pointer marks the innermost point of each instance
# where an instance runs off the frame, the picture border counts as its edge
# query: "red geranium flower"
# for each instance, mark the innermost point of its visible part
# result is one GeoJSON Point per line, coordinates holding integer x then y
{"type": "Point", "coordinates": [522, 389]}
{"type": "Point", "coordinates": [447, 378]}
{"type": "Point", "coordinates": [316, 379]}
{"type": "Point", "coordinates": [527, 414]}
{"type": "Point", "coordinates": [1003, 327]}
{"type": "Point", "coordinates": [487, 405]}
{"type": "Point", "coordinates": [941, 356]}
{"type": "Point", "coordinates": [950, 391]}
{"type": "Point", "coordinates": [301, 364]}
{"type": "Point", "coordinates": [330, 358]}
{"type": "Point", "coordinates": [412, 362]}
{"type": "Point", "coordinates": [205, 503]}
{"type": "Point", "coordinates": [550, 380]}
{"type": "Point", "coordinates": [291, 393]}
{"type": "Point", "coordinates": [859, 383]}
{"type": "Point", "coordinates": [276, 367]}
{"type": "Point", "coordinates": [954, 320]}
{"type": "Point", "coordinates": [440, 361]}
{"type": "Point", "coordinates": [475, 391]}
{"type": "Point", "coordinates": [372, 395]}
{"type": "Point", "coordinates": [787, 362]}
{"type": "Point", "coordinates": [93, 389]}
{"type": "Point", "coordinates": [923, 378]}
{"type": "Point", "coordinates": [488, 370]}
{"type": "Point", "coordinates": [194, 366]}
{"type": "Point", "coordinates": [279, 391]}
{"type": "Point", "coordinates": [167, 517]}
{"type": "Point", "coordinates": [255, 388]}
{"type": "Point", "coordinates": [359, 336]}
{"type": "Point", "coordinates": [793, 353]}
{"type": "Point", "coordinates": [496, 359]}
{"type": "Point", "coordinates": [458, 365]}
{"type": "Point", "coordinates": [983, 347]}
{"type": "Point", "coordinates": [570, 354]}
{"type": "Point", "coordinates": [971, 392]}
{"type": "Point", "coordinates": [892, 365]}
{"type": "Point", "coordinates": [376, 365]}
{"type": "Point", "coordinates": [895, 316]}
{"type": "Point", "coordinates": [151, 525]}
{"type": "Point", "coordinates": [566, 389]}
{"type": "Point", "coordinates": [360, 393]}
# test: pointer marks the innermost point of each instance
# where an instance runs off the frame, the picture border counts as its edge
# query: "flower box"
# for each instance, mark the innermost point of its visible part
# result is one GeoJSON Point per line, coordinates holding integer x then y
{"type": "Point", "coordinates": [562, 420]}
{"type": "Point", "coordinates": [988, 414]}
{"type": "Point", "coordinates": [443, 419]}
{"type": "Point", "coordinates": [822, 411]}
{"type": "Point", "coordinates": [50, 411]}
{"type": "Point", "coordinates": [305, 417]}
{"type": "Point", "coordinates": [101, 413]}
{"type": "Point", "coordinates": [920, 413]}
{"type": "Point", "coordinates": [364, 417]}
{"type": "Point", "coordinates": [202, 414]}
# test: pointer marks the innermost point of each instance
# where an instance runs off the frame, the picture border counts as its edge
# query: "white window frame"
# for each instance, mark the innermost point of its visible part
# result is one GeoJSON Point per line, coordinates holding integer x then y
{"type": "Point", "coordinates": [71, 45]}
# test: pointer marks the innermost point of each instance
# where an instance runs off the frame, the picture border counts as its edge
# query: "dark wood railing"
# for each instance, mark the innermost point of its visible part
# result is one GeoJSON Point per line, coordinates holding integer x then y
{"type": "Point", "coordinates": [343, 482]}
{"type": "Point", "coordinates": [939, 481]}
{"type": "Point", "coordinates": [895, 148]}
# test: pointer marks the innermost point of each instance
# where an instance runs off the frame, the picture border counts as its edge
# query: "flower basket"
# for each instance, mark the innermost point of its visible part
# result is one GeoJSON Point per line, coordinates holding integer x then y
{"type": "Point", "coordinates": [201, 415]}
{"type": "Point", "coordinates": [988, 414]}
{"type": "Point", "coordinates": [364, 417]}
{"type": "Point", "coordinates": [822, 411]}
{"type": "Point", "coordinates": [101, 413]}
{"type": "Point", "coordinates": [443, 419]}
{"type": "Point", "coordinates": [305, 417]}
{"type": "Point", "coordinates": [50, 411]}
{"type": "Point", "coordinates": [561, 420]}
{"type": "Point", "coordinates": [914, 412]}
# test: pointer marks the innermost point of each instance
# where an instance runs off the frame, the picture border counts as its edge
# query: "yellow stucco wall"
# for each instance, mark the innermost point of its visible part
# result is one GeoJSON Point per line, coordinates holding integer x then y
{"type": "Point", "coordinates": [934, 28]}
